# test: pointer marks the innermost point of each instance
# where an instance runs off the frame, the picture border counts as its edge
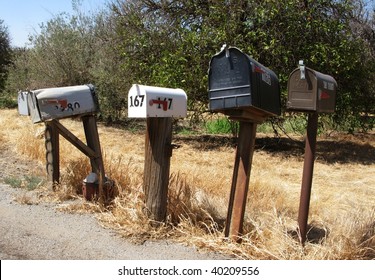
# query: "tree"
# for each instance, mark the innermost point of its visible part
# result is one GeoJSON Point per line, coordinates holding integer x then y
{"type": "Point", "coordinates": [71, 50]}
{"type": "Point", "coordinates": [170, 43]}
{"type": "Point", "coordinates": [5, 54]}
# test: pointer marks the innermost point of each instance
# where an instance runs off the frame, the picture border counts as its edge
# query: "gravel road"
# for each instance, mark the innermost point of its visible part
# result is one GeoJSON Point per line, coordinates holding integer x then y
{"type": "Point", "coordinates": [39, 231]}
{"type": "Point", "coordinates": [44, 233]}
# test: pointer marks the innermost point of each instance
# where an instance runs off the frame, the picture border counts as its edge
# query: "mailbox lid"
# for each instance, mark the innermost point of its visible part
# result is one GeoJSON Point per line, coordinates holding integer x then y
{"type": "Point", "coordinates": [63, 102]}
{"type": "Point", "coordinates": [23, 108]}
{"type": "Point", "coordinates": [33, 108]}
{"type": "Point", "coordinates": [229, 80]}
{"type": "Point", "coordinates": [238, 81]}
{"type": "Point", "coordinates": [302, 93]}
{"type": "Point", "coordinates": [158, 102]}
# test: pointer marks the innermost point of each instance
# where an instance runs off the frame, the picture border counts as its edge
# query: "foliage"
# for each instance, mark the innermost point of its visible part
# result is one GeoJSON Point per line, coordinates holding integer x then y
{"type": "Point", "coordinates": [222, 126]}
{"type": "Point", "coordinates": [7, 102]}
{"type": "Point", "coordinates": [5, 54]}
{"type": "Point", "coordinates": [170, 43]}
{"type": "Point", "coordinates": [27, 182]}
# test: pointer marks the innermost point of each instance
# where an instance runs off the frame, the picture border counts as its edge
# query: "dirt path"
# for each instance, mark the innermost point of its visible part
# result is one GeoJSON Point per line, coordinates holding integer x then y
{"type": "Point", "coordinates": [39, 231]}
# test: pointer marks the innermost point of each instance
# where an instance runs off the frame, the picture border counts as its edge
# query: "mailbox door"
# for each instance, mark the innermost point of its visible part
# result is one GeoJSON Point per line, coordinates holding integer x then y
{"type": "Point", "coordinates": [32, 104]}
{"type": "Point", "coordinates": [23, 108]}
{"type": "Point", "coordinates": [302, 93]}
{"type": "Point", "coordinates": [229, 80]}
{"type": "Point", "coordinates": [137, 103]}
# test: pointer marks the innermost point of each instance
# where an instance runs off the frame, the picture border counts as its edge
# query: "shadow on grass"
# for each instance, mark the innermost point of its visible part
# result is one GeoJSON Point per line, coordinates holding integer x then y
{"type": "Point", "coordinates": [339, 149]}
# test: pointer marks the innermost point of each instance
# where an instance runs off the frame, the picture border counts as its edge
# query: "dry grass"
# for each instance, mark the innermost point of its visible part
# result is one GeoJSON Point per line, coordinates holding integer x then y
{"type": "Point", "coordinates": [342, 212]}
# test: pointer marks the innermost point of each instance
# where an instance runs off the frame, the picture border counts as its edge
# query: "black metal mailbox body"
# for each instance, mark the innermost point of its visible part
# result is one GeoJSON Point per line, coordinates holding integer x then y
{"type": "Point", "coordinates": [236, 81]}
{"type": "Point", "coordinates": [310, 90]}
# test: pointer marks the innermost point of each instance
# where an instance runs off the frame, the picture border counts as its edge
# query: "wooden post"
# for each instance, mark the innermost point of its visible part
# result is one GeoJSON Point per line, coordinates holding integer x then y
{"type": "Point", "coordinates": [52, 145]}
{"type": "Point", "coordinates": [92, 139]}
{"type": "Point", "coordinates": [158, 151]}
{"type": "Point", "coordinates": [240, 181]}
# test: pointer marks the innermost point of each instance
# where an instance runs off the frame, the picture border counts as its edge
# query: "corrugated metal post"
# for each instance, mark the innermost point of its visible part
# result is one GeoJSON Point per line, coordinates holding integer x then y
{"type": "Point", "coordinates": [308, 168]}
{"type": "Point", "coordinates": [240, 180]}
{"type": "Point", "coordinates": [52, 144]}
{"type": "Point", "coordinates": [158, 152]}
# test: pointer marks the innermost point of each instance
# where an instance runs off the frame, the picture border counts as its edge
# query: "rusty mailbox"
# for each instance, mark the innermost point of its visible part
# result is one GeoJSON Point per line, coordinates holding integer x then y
{"type": "Point", "coordinates": [311, 91]}
{"type": "Point", "coordinates": [238, 82]}
{"type": "Point", "coordinates": [62, 102]}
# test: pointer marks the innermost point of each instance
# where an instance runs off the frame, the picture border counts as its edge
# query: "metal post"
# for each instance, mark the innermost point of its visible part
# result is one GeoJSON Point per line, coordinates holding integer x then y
{"type": "Point", "coordinates": [158, 151]}
{"type": "Point", "coordinates": [307, 176]}
{"type": "Point", "coordinates": [240, 180]}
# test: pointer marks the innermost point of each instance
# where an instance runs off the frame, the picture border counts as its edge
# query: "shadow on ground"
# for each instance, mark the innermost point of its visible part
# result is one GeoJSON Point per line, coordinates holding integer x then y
{"type": "Point", "coordinates": [335, 149]}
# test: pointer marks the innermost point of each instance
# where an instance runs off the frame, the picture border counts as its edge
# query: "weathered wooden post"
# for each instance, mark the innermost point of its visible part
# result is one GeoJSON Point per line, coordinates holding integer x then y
{"type": "Point", "coordinates": [52, 145]}
{"type": "Point", "coordinates": [92, 139]}
{"type": "Point", "coordinates": [312, 92]}
{"type": "Point", "coordinates": [159, 106]}
{"type": "Point", "coordinates": [158, 152]}
{"type": "Point", "coordinates": [247, 92]}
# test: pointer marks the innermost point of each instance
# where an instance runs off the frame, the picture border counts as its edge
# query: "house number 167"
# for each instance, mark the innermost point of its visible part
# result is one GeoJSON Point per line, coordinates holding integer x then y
{"type": "Point", "coordinates": [136, 101]}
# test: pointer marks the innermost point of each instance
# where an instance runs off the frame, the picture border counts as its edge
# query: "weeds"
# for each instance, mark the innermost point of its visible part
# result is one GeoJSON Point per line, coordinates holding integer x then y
{"type": "Point", "coordinates": [27, 182]}
{"type": "Point", "coordinates": [222, 126]}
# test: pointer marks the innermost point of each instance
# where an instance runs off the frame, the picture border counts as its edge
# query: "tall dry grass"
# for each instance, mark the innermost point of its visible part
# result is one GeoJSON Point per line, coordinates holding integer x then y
{"type": "Point", "coordinates": [342, 212]}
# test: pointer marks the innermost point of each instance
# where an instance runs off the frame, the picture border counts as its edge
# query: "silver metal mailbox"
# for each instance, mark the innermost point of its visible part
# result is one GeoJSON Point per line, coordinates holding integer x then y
{"type": "Point", "coordinates": [156, 102]}
{"type": "Point", "coordinates": [23, 109]}
{"type": "Point", "coordinates": [62, 102]}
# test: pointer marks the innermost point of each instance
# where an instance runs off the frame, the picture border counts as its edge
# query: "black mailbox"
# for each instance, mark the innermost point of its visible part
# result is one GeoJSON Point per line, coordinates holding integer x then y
{"type": "Point", "coordinates": [238, 82]}
{"type": "Point", "coordinates": [310, 90]}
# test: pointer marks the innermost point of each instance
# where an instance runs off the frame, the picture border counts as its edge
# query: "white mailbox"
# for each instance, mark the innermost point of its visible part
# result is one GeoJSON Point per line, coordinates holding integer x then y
{"type": "Point", "coordinates": [159, 102]}
{"type": "Point", "coordinates": [62, 102]}
{"type": "Point", "coordinates": [23, 109]}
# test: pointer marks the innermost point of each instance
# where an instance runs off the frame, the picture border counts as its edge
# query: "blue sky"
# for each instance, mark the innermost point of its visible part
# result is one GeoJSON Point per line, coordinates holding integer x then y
{"type": "Point", "coordinates": [22, 17]}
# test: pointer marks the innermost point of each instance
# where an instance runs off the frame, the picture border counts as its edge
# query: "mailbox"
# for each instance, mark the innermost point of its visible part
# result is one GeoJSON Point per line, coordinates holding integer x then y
{"type": "Point", "coordinates": [62, 102]}
{"type": "Point", "coordinates": [310, 90]}
{"type": "Point", "coordinates": [157, 102]}
{"type": "Point", "coordinates": [23, 109]}
{"type": "Point", "coordinates": [236, 81]}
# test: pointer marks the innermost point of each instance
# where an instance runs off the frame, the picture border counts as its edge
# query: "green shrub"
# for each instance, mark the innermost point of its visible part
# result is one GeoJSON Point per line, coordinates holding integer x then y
{"type": "Point", "coordinates": [222, 126]}
{"type": "Point", "coordinates": [7, 102]}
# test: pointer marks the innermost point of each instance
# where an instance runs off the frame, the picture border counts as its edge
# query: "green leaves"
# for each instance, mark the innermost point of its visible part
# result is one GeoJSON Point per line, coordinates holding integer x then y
{"type": "Point", "coordinates": [170, 43]}
{"type": "Point", "coordinates": [5, 54]}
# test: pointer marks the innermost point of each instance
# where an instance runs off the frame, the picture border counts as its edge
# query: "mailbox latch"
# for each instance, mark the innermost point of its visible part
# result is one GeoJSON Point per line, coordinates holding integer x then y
{"type": "Point", "coordinates": [302, 69]}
